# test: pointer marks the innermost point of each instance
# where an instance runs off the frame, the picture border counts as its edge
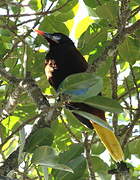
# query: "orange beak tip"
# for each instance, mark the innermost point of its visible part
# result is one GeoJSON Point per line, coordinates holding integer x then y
{"type": "Point", "coordinates": [35, 30]}
{"type": "Point", "coordinates": [39, 32]}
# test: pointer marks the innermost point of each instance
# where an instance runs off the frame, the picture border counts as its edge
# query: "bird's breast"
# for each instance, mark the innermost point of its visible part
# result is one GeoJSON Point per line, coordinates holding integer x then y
{"type": "Point", "coordinates": [50, 67]}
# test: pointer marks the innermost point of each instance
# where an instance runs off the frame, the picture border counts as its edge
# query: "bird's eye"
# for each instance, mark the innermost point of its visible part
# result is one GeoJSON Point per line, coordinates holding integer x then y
{"type": "Point", "coordinates": [57, 38]}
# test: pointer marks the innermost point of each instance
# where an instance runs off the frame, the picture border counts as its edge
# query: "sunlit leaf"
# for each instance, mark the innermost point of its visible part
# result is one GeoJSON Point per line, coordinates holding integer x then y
{"type": "Point", "coordinates": [10, 121]}
{"type": "Point", "coordinates": [82, 26]}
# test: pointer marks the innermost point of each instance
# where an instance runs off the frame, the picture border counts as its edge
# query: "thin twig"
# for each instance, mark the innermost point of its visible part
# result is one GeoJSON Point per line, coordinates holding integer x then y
{"type": "Point", "coordinates": [134, 12]}
{"type": "Point", "coordinates": [6, 56]}
{"type": "Point", "coordinates": [36, 14]}
{"type": "Point", "coordinates": [134, 139]}
{"type": "Point", "coordinates": [131, 29]}
{"type": "Point", "coordinates": [70, 131]}
{"type": "Point", "coordinates": [8, 75]}
{"type": "Point", "coordinates": [126, 93]}
{"type": "Point", "coordinates": [135, 83]}
{"type": "Point", "coordinates": [130, 100]}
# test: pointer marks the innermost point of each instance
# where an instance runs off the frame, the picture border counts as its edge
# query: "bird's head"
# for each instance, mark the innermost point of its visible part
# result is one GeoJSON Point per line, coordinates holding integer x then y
{"type": "Point", "coordinates": [55, 38]}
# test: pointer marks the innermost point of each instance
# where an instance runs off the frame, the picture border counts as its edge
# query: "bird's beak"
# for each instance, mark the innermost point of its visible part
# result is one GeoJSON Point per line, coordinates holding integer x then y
{"type": "Point", "coordinates": [46, 35]}
{"type": "Point", "coordinates": [39, 32]}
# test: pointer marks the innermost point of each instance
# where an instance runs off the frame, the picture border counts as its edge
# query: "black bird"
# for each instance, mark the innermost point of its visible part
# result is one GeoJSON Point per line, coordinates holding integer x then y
{"type": "Point", "coordinates": [62, 60]}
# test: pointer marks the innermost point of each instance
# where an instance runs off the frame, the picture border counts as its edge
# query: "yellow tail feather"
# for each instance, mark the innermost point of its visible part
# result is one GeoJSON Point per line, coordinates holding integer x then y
{"type": "Point", "coordinates": [110, 141]}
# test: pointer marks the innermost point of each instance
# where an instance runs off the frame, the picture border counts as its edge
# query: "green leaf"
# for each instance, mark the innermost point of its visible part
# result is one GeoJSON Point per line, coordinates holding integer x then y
{"type": "Point", "coordinates": [91, 3]}
{"type": "Point", "coordinates": [42, 136]}
{"type": "Point", "coordinates": [74, 151]}
{"type": "Point", "coordinates": [68, 7]}
{"type": "Point", "coordinates": [129, 50]}
{"type": "Point", "coordinates": [108, 11]}
{"type": "Point", "coordinates": [78, 165]}
{"type": "Point", "coordinates": [134, 147]}
{"type": "Point", "coordinates": [72, 120]}
{"type": "Point", "coordinates": [36, 4]}
{"type": "Point", "coordinates": [11, 121]}
{"type": "Point", "coordinates": [81, 85]}
{"type": "Point", "coordinates": [61, 135]}
{"type": "Point", "coordinates": [99, 164]}
{"type": "Point", "coordinates": [93, 118]}
{"type": "Point", "coordinates": [51, 24]}
{"type": "Point", "coordinates": [101, 168]}
{"type": "Point", "coordinates": [46, 156]}
{"type": "Point", "coordinates": [63, 17]}
{"type": "Point", "coordinates": [33, 4]}
{"type": "Point", "coordinates": [103, 103]}
{"type": "Point", "coordinates": [89, 41]}
{"type": "Point", "coordinates": [104, 68]}
{"type": "Point", "coordinates": [3, 49]}
{"type": "Point", "coordinates": [98, 148]}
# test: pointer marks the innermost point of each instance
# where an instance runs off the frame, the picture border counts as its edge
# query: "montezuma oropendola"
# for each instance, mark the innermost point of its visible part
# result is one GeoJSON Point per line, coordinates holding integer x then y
{"type": "Point", "coordinates": [62, 60]}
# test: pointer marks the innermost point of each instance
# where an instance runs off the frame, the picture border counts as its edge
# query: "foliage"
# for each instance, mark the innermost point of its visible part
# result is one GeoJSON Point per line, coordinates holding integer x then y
{"type": "Point", "coordinates": [108, 37]}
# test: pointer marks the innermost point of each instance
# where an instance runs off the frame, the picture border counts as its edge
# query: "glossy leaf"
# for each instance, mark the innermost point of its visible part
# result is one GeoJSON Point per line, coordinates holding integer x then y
{"type": "Point", "coordinates": [81, 85]}
{"type": "Point", "coordinates": [82, 26]}
{"type": "Point", "coordinates": [93, 118]}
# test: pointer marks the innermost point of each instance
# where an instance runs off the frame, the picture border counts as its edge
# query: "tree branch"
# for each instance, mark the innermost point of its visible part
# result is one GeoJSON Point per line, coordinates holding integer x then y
{"type": "Point", "coordinates": [11, 103]}
{"type": "Point", "coordinates": [8, 75]}
{"type": "Point", "coordinates": [87, 145]}
{"type": "Point", "coordinates": [134, 27]}
{"type": "Point", "coordinates": [114, 84]}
